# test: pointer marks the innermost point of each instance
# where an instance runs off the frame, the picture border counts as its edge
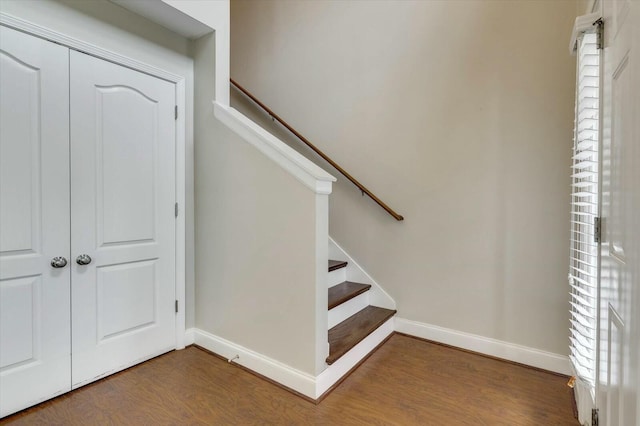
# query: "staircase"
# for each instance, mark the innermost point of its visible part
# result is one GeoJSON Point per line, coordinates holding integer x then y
{"type": "Point", "coordinates": [351, 318]}
{"type": "Point", "coordinates": [360, 312]}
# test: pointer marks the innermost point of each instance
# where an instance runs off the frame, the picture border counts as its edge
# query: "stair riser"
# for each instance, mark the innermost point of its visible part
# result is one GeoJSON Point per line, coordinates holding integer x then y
{"type": "Point", "coordinates": [337, 276]}
{"type": "Point", "coordinates": [338, 369]}
{"type": "Point", "coordinates": [356, 274]}
{"type": "Point", "coordinates": [347, 309]}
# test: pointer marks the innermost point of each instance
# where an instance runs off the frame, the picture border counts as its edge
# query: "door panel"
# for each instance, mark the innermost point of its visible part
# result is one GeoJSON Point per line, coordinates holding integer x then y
{"type": "Point", "coordinates": [615, 375]}
{"type": "Point", "coordinates": [123, 195]}
{"type": "Point", "coordinates": [21, 304]}
{"type": "Point", "coordinates": [619, 323]}
{"type": "Point", "coordinates": [128, 287]}
{"type": "Point", "coordinates": [20, 169]}
{"type": "Point", "coordinates": [619, 166]}
{"type": "Point", "coordinates": [124, 170]}
{"type": "Point", "coordinates": [35, 339]}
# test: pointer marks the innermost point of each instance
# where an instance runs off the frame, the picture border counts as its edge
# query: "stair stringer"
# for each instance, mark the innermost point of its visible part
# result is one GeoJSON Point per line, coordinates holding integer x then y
{"type": "Point", "coordinates": [376, 296]}
{"type": "Point", "coordinates": [347, 362]}
{"type": "Point", "coordinates": [354, 272]}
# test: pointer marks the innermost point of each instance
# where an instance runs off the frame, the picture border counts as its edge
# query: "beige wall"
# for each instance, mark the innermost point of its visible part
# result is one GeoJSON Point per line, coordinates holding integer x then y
{"type": "Point", "coordinates": [584, 6]}
{"type": "Point", "coordinates": [255, 240]}
{"type": "Point", "coordinates": [459, 115]}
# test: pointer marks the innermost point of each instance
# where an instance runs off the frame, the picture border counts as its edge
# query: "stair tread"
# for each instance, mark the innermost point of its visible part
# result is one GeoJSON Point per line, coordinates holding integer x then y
{"type": "Point", "coordinates": [354, 329]}
{"type": "Point", "coordinates": [338, 294]}
{"type": "Point", "coordinates": [336, 264]}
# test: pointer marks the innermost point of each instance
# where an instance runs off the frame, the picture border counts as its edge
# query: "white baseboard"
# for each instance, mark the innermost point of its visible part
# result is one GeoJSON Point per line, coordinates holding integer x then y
{"type": "Point", "coordinates": [189, 336]}
{"type": "Point", "coordinates": [301, 382]}
{"type": "Point", "coordinates": [287, 376]}
{"type": "Point", "coordinates": [484, 345]}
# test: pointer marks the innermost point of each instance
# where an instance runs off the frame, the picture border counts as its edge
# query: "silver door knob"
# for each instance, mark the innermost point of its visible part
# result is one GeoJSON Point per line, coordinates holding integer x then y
{"type": "Point", "coordinates": [58, 262]}
{"type": "Point", "coordinates": [83, 259]}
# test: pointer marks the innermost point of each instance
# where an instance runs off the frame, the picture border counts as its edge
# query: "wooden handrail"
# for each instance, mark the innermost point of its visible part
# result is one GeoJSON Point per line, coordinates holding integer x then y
{"type": "Point", "coordinates": [324, 156]}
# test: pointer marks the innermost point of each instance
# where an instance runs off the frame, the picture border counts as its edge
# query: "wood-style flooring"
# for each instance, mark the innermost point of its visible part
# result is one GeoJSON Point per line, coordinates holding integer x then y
{"type": "Point", "coordinates": [405, 382]}
{"type": "Point", "coordinates": [354, 329]}
{"type": "Point", "coordinates": [343, 292]}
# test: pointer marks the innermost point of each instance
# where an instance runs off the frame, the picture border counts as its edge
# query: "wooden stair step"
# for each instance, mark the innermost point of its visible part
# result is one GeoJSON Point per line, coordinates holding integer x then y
{"type": "Point", "coordinates": [354, 329]}
{"type": "Point", "coordinates": [343, 292]}
{"type": "Point", "coordinates": [336, 264]}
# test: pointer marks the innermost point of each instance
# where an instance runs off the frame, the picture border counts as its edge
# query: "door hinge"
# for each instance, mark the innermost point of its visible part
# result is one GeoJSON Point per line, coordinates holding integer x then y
{"type": "Point", "coordinates": [597, 229]}
{"type": "Point", "coordinates": [594, 417]}
{"type": "Point", "coordinates": [176, 112]}
{"type": "Point", "coordinates": [599, 24]}
{"type": "Point", "coordinates": [176, 306]}
{"type": "Point", "coordinates": [175, 210]}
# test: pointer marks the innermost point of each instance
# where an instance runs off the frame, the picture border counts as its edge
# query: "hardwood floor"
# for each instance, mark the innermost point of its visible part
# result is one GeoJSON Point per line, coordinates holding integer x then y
{"type": "Point", "coordinates": [336, 264]}
{"type": "Point", "coordinates": [405, 382]}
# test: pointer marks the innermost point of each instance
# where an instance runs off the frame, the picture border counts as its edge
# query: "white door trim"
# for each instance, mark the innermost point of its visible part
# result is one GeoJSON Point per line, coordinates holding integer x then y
{"type": "Point", "coordinates": [179, 80]}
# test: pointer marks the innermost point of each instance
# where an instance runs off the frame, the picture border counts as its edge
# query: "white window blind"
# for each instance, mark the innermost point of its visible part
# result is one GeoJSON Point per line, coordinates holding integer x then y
{"type": "Point", "coordinates": [583, 270]}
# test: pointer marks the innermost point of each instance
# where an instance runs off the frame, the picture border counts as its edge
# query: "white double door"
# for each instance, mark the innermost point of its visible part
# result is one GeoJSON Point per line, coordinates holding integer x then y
{"type": "Point", "coordinates": [87, 225]}
{"type": "Point", "coordinates": [618, 384]}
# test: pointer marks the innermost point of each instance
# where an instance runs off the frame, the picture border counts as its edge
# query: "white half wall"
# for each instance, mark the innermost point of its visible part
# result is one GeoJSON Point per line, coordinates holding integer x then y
{"type": "Point", "coordinates": [255, 250]}
{"type": "Point", "coordinates": [262, 226]}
